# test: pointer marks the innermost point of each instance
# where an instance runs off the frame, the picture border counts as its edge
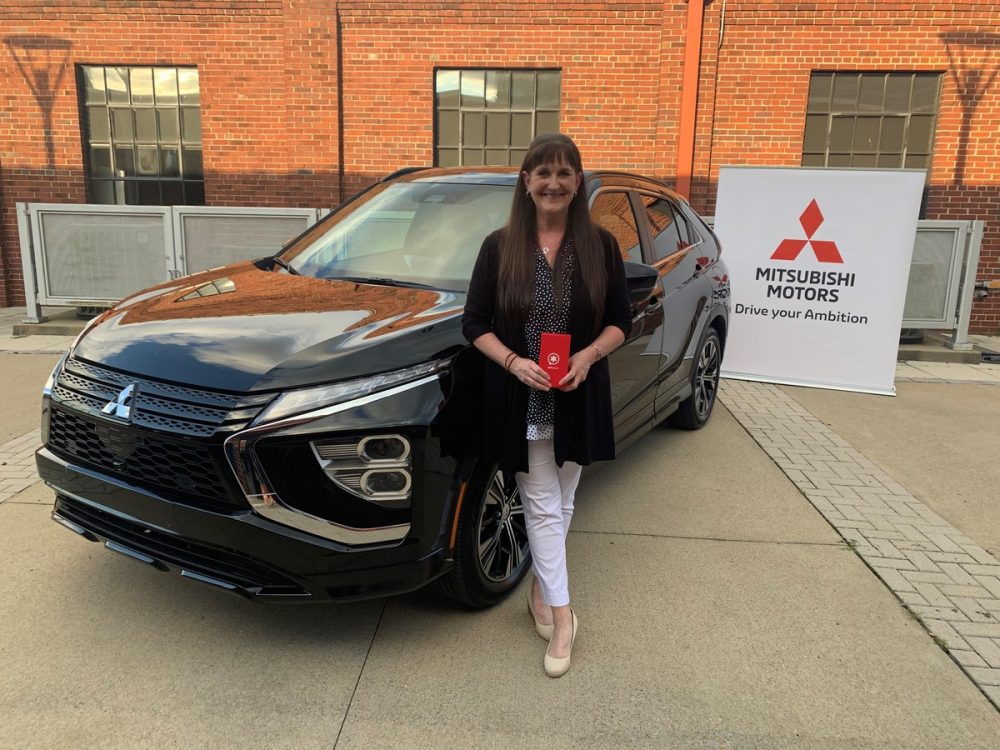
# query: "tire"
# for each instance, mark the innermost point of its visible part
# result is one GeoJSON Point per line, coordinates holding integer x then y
{"type": "Point", "coordinates": [694, 411]}
{"type": "Point", "coordinates": [491, 545]}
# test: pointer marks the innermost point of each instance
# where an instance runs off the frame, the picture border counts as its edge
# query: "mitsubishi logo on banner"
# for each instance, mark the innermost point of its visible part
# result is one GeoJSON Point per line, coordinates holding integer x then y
{"type": "Point", "coordinates": [819, 260]}
{"type": "Point", "coordinates": [826, 251]}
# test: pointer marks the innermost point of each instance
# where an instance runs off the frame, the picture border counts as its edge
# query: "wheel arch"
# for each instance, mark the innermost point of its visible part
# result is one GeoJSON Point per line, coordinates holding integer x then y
{"type": "Point", "coordinates": [721, 325]}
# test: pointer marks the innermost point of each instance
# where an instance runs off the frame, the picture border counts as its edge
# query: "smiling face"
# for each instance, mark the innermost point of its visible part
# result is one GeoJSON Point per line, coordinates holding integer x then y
{"type": "Point", "coordinates": [552, 186]}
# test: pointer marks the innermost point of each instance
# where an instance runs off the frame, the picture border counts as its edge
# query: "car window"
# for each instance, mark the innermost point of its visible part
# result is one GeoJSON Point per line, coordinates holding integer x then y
{"type": "Point", "coordinates": [668, 228]}
{"type": "Point", "coordinates": [613, 211]}
{"type": "Point", "coordinates": [688, 232]}
{"type": "Point", "coordinates": [426, 233]}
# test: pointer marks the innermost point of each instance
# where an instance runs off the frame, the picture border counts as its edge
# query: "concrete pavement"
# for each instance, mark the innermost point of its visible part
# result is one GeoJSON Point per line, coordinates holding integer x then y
{"type": "Point", "coordinates": [931, 438]}
{"type": "Point", "coordinates": [717, 608]}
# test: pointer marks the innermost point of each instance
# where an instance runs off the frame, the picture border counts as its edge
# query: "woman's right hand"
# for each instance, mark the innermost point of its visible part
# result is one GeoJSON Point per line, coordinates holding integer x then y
{"type": "Point", "coordinates": [529, 373]}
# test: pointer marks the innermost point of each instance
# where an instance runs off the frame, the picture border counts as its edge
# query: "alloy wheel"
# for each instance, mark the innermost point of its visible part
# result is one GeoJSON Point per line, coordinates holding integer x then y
{"type": "Point", "coordinates": [501, 531]}
{"type": "Point", "coordinates": [706, 381]}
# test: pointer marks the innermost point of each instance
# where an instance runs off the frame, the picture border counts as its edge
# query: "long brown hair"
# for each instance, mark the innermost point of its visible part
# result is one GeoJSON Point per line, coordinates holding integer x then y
{"type": "Point", "coordinates": [516, 282]}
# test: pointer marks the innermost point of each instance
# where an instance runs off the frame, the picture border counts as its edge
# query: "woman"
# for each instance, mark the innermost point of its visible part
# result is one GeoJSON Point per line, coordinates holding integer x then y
{"type": "Point", "coordinates": [550, 269]}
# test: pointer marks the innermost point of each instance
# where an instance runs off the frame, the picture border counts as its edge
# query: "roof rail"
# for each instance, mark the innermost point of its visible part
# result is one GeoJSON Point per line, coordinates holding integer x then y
{"type": "Point", "coordinates": [401, 172]}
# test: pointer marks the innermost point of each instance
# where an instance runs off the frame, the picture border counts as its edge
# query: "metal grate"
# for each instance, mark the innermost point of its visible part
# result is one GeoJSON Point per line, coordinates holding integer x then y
{"type": "Point", "coordinates": [184, 471]}
{"type": "Point", "coordinates": [90, 256]}
{"type": "Point", "coordinates": [156, 405]}
{"type": "Point", "coordinates": [928, 290]}
{"type": "Point", "coordinates": [215, 240]}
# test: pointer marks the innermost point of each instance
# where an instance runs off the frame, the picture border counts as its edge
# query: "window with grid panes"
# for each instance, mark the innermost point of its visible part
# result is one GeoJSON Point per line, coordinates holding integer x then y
{"type": "Point", "coordinates": [870, 119]}
{"type": "Point", "coordinates": [142, 128]}
{"type": "Point", "coordinates": [488, 117]}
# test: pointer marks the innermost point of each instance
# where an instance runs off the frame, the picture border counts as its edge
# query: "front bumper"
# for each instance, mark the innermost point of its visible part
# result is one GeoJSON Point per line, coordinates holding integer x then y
{"type": "Point", "coordinates": [237, 551]}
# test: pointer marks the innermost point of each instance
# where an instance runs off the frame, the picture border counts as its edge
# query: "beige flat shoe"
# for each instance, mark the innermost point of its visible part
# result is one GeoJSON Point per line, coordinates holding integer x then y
{"type": "Point", "coordinates": [558, 666]}
{"type": "Point", "coordinates": [544, 631]}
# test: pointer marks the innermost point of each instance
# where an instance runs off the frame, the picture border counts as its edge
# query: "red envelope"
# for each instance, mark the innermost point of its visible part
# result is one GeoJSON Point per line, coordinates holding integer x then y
{"type": "Point", "coordinates": [554, 356]}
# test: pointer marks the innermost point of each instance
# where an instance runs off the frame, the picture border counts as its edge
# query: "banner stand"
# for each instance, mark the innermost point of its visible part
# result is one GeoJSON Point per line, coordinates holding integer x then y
{"type": "Point", "coordinates": [726, 375]}
{"type": "Point", "coordinates": [819, 261]}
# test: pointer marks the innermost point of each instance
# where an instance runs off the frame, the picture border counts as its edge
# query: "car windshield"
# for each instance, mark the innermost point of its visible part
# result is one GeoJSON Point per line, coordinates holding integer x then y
{"type": "Point", "coordinates": [421, 233]}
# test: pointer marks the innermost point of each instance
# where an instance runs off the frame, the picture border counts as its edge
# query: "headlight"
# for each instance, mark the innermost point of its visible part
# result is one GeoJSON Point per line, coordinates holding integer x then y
{"type": "Point", "coordinates": [296, 402]}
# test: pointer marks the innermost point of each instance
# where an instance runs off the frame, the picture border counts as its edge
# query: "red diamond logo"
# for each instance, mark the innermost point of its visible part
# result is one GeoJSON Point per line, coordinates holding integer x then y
{"type": "Point", "coordinates": [811, 218]}
{"type": "Point", "coordinates": [826, 250]}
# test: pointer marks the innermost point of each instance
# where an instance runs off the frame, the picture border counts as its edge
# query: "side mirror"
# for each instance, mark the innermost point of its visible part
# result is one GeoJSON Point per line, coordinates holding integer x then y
{"type": "Point", "coordinates": [641, 281]}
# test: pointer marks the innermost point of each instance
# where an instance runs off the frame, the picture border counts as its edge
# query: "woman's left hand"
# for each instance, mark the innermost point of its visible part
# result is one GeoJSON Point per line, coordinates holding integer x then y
{"type": "Point", "coordinates": [579, 366]}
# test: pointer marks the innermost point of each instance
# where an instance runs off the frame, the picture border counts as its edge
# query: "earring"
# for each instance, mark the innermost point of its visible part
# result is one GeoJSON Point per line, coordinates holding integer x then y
{"type": "Point", "coordinates": [527, 193]}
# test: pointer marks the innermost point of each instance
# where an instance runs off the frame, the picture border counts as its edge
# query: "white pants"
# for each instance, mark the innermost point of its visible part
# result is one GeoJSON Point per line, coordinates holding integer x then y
{"type": "Point", "coordinates": [547, 492]}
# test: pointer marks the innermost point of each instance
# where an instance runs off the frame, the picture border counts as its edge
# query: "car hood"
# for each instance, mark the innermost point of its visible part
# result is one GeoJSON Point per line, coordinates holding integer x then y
{"type": "Point", "coordinates": [243, 329]}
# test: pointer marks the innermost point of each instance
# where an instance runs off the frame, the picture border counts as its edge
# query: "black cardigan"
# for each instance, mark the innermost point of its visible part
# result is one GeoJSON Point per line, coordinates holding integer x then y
{"type": "Point", "coordinates": [584, 431]}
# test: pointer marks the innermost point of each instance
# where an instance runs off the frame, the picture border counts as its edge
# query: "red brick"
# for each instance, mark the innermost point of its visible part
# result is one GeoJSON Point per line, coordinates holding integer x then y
{"type": "Point", "coordinates": [273, 111]}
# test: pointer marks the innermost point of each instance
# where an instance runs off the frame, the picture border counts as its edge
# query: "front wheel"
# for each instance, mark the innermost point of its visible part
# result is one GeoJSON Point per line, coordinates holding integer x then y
{"type": "Point", "coordinates": [491, 545]}
{"type": "Point", "coordinates": [694, 411]}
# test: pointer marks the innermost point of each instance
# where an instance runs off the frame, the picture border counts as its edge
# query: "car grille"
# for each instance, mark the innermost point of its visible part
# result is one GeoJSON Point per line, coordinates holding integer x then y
{"type": "Point", "coordinates": [184, 471]}
{"type": "Point", "coordinates": [249, 575]}
{"type": "Point", "coordinates": [168, 442]}
{"type": "Point", "coordinates": [156, 405]}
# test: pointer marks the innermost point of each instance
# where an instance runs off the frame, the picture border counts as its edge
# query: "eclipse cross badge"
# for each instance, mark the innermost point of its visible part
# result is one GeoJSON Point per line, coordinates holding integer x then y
{"type": "Point", "coordinates": [121, 407]}
{"type": "Point", "coordinates": [553, 359]}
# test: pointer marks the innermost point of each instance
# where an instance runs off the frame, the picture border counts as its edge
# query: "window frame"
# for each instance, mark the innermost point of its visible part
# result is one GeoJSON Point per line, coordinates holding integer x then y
{"type": "Point", "coordinates": [641, 232]}
{"type": "Point", "coordinates": [831, 112]}
{"type": "Point", "coordinates": [670, 262]}
{"type": "Point", "coordinates": [694, 237]}
{"type": "Point", "coordinates": [191, 189]}
{"type": "Point", "coordinates": [459, 147]}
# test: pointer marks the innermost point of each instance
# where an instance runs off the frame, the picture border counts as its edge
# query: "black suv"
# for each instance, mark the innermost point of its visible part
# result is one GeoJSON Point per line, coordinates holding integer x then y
{"type": "Point", "coordinates": [301, 426]}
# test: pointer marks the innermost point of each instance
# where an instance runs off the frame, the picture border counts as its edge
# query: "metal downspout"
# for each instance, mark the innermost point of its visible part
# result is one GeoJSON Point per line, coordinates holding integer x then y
{"type": "Point", "coordinates": [689, 95]}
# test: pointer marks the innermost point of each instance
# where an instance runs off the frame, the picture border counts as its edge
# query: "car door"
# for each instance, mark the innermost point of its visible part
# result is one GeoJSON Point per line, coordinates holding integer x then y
{"type": "Point", "coordinates": [674, 244]}
{"type": "Point", "coordinates": [634, 365]}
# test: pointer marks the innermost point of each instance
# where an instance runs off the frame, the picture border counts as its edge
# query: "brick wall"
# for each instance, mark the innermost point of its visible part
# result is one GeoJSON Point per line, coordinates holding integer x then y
{"type": "Point", "coordinates": [267, 71]}
{"type": "Point", "coordinates": [277, 130]}
{"type": "Point", "coordinates": [609, 53]}
{"type": "Point", "coordinates": [754, 91]}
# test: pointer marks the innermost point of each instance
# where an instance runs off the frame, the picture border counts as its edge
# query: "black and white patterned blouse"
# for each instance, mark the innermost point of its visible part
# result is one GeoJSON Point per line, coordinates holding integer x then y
{"type": "Point", "coordinates": [550, 312]}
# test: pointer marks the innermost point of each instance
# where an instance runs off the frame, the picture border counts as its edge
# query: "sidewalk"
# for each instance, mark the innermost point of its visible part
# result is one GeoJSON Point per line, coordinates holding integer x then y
{"type": "Point", "coordinates": [780, 578]}
{"type": "Point", "coordinates": [10, 316]}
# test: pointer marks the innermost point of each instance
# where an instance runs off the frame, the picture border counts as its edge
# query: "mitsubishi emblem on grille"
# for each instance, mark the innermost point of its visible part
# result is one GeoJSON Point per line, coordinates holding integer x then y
{"type": "Point", "coordinates": [121, 407]}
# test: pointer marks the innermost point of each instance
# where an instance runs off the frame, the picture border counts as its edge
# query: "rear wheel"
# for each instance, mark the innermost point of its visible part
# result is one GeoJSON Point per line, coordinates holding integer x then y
{"type": "Point", "coordinates": [491, 545]}
{"type": "Point", "coordinates": [694, 411]}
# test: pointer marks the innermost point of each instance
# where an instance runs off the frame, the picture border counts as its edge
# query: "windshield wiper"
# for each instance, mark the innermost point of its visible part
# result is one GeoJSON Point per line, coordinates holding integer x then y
{"type": "Point", "coordinates": [383, 281]}
{"type": "Point", "coordinates": [284, 264]}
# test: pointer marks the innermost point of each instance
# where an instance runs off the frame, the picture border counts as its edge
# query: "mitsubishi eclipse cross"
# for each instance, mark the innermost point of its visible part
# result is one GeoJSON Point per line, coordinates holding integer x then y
{"type": "Point", "coordinates": [299, 427]}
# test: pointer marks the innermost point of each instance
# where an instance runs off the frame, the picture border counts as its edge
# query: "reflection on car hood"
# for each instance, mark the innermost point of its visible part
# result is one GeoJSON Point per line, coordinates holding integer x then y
{"type": "Point", "coordinates": [242, 329]}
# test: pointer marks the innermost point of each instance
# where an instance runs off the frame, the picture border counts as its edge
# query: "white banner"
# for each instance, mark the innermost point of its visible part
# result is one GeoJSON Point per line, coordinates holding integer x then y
{"type": "Point", "coordinates": [819, 261]}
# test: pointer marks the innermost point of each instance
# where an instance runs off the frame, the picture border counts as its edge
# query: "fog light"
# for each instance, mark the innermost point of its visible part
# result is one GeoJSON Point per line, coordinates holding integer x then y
{"type": "Point", "coordinates": [378, 448]}
{"type": "Point", "coordinates": [376, 468]}
{"type": "Point", "coordinates": [385, 482]}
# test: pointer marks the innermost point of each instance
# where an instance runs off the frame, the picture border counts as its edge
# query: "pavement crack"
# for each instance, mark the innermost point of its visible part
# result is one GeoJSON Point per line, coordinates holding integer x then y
{"type": "Point", "coordinates": [385, 604]}
{"type": "Point", "coordinates": [709, 538]}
